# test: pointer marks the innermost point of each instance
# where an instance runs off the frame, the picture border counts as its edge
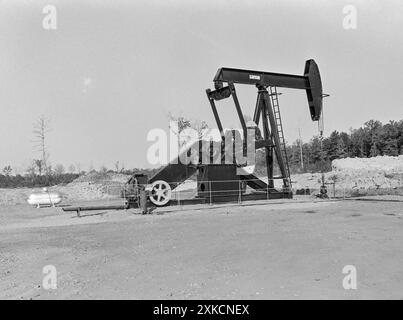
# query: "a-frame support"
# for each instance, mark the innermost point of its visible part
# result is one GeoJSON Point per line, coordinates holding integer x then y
{"type": "Point", "coordinates": [264, 110]}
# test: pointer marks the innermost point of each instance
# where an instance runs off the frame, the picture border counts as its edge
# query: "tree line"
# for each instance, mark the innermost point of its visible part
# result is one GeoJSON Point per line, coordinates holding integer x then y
{"type": "Point", "coordinates": [35, 176]}
{"type": "Point", "coordinates": [371, 140]}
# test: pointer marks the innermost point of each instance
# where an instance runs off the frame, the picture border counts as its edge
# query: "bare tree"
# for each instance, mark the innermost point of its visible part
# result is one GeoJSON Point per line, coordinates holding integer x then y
{"type": "Point", "coordinates": [200, 126]}
{"type": "Point", "coordinates": [38, 164]}
{"type": "Point", "coordinates": [41, 128]}
{"type": "Point", "coordinates": [7, 170]}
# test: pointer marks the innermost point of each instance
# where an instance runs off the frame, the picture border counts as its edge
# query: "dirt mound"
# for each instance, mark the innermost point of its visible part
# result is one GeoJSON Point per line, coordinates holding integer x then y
{"type": "Point", "coordinates": [95, 186]}
{"type": "Point", "coordinates": [99, 177]}
{"type": "Point", "coordinates": [92, 186]}
{"type": "Point", "coordinates": [75, 191]}
{"type": "Point", "coordinates": [349, 180]}
{"type": "Point", "coordinates": [382, 174]}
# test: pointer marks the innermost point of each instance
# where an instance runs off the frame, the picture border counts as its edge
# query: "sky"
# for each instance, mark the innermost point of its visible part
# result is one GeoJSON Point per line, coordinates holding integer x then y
{"type": "Point", "coordinates": [113, 70]}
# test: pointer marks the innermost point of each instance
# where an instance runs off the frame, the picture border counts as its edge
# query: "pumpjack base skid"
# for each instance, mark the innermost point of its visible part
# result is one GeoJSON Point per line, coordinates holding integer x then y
{"type": "Point", "coordinates": [271, 195]}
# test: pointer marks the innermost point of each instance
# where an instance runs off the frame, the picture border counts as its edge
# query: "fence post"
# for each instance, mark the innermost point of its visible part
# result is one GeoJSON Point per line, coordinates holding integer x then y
{"type": "Point", "coordinates": [239, 192]}
{"type": "Point", "coordinates": [267, 188]}
{"type": "Point", "coordinates": [124, 197]}
{"type": "Point", "coordinates": [210, 191]}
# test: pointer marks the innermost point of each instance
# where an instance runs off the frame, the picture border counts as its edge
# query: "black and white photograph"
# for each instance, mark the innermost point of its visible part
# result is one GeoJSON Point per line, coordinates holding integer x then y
{"type": "Point", "coordinates": [201, 155]}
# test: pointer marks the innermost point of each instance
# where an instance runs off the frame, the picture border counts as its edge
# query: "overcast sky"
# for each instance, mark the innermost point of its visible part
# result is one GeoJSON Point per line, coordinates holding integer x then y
{"type": "Point", "coordinates": [112, 70]}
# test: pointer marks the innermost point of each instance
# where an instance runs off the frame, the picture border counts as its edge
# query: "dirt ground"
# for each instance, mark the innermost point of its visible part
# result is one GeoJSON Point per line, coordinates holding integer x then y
{"type": "Point", "coordinates": [291, 249]}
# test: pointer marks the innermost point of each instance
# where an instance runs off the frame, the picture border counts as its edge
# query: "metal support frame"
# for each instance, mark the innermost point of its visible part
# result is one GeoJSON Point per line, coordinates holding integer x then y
{"type": "Point", "coordinates": [268, 113]}
{"type": "Point", "coordinates": [263, 111]}
{"type": "Point", "coordinates": [215, 95]}
{"type": "Point", "coordinates": [214, 108]}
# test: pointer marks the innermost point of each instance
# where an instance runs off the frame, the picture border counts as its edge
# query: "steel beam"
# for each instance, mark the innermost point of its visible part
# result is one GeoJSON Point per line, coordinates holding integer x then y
{"type": "Point", "coordinates": [309, 81]}
{"type": "Point", "coordinates": [252, 77]}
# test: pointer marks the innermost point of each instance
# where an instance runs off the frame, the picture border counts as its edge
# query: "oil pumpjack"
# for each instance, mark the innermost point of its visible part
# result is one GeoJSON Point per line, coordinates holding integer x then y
{"type": "Point", "coordinates": [222, 182]}
{"type": "Point", "coordinates": [219, 182]}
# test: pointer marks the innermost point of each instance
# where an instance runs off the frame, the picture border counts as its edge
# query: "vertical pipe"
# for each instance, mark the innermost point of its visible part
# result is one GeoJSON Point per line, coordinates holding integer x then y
{"type": "Point", "coordinates": [239, 110]}
{"type": "Point", "coordinates": [143, 201]}
{"type": "Point", "coordinates": [267, 136]}
{"type": "Point", "coordinates": [239, 192]}
{"type": "Point", "coordinates": [210, 191]}
{"type": "Point", "coordinates": [216, 116]}
{"type": "Point", "coordinates": [258, 110]}
{"type": "Point", "coordinates": [267, 189]}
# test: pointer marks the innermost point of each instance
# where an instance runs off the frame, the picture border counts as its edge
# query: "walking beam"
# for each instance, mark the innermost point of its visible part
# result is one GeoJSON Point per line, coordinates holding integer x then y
{"type": "Point", "coordinates": [310, 81]}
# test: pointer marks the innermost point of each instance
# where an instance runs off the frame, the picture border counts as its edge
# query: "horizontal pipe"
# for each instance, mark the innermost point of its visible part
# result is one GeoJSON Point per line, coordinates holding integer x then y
{"type": "Point", "coordinates": [89, 208]}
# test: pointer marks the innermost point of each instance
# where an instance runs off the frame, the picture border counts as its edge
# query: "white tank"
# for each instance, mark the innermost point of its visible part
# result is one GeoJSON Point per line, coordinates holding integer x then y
{"type": "Point", "coordinates": [44, 199]}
